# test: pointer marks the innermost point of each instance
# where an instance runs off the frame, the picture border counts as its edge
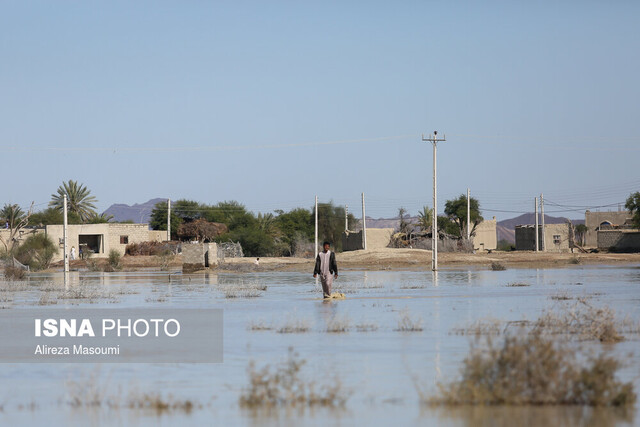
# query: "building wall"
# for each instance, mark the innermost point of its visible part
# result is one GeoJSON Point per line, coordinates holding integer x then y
{"type": "Point", "coordinates": [526, 237]}
{"type": "Point", "coordinates": [157, 236]}
{"type": "Point", "coordinates": [134, 233]}
{"type": "Point", "coordinates": [352, 241]}
{"type": "Point", "coordinates": [113, 236]}
{"type": "Point", "coordinates": [593, 220]}
{"type": "Point", "coordinates": [377, 238]}
{"type": "Point", "coordinates": [623, 240]}
{"type": "Point", "coordinates": [26, 232]}
{"type": "Point", "coordinates": [486, 236]}
{"type": "Point", "coordinates": [556, 237]}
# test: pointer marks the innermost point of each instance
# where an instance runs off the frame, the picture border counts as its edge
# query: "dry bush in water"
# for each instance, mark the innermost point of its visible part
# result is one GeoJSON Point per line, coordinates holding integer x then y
{"type": "Point", "coordinates": [282, 386]}
{"type": "Point", "coordinates": [14, 273]}
{"type": "Point", "coordinates": [259, 325]}
{"type": "Point", "coordinates": [517, 285]}
{"type": "Point", "coordinates": [294, 325]}
{"type": "Point", "coordinates": [157, 403]}
{"type": "Point", "coordinates": [45, 299]}
{"type": "Point", "coordinates": [251, 289]}
{"type": "Point", "coordinates": [338, 324]}
{"type": "Point", "coordinates": [561, 296]}
{"type": "Point", "coordinates": [583, 320]}
{"type": "Point", "coordinates": [480, 327]}
{"type": "Point", "coordinates": [366, 327]}
{"type": "Point", "coordinates": [91, 391]}
{"type": "Point", "coordinates": [408, 324]}
{"type": "Point", "coordinates": [533, 369]}
{"type": "Point", "coordinates": [498, 266]}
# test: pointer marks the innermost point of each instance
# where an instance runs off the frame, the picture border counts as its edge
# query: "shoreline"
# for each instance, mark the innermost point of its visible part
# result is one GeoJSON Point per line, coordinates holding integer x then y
{"type": "Point", "coordinates": [380, 260]}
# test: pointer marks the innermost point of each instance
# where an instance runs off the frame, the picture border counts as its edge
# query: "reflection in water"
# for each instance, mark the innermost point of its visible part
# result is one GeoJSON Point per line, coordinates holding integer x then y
{"type": "Point", "coordinates": [288, 415]}
{"type": "Point", "coordinates": [507, 416]}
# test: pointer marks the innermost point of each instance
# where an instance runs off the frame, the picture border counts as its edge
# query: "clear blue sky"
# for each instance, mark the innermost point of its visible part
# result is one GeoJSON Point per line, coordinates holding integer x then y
{"type": "Point", "coordinates": [270, 103]}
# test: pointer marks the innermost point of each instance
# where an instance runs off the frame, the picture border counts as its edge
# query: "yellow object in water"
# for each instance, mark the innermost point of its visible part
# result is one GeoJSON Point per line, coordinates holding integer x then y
{"type": "Point", "coordinates": [337, 295]}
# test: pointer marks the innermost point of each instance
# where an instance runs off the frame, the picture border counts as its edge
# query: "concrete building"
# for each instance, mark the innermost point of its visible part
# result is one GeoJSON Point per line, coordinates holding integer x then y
{"type": "Point", "coordinates": [594, 221]}
{"type": "Point", "coordinates": [556, 237]}
{"type": "Point", "coordinates": [377, 238]}
{"type": "Point", "coordinates": [102, 238]}
{"type": "Point", "coordinates": [486, 236]}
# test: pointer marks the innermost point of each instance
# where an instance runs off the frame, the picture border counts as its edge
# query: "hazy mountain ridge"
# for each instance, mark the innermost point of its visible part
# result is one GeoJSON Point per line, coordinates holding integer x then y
{"type": "Point", "coordinates": [138, 213]}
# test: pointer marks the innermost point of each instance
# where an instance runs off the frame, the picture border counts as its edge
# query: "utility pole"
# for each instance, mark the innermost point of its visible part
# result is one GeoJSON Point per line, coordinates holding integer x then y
{"type": "Point", "coordinates": [168, 220]}
{"type": "Point", "coordinates": [346, 217]}
{"type": "Point", "coordinates": [316, 245]}
{"type": "Point", "coordinates": [64, 234]}
{"type": "Point", "coordinates": [544, 240]}
{"type": "Point", "coordinates": [468, 214]}
{"type": "Point", "coordinates": [535, 199]}
{"type": "Point", "coordinates": [364, 226]}
{"type": "Point", "coordinates": [434, 229]}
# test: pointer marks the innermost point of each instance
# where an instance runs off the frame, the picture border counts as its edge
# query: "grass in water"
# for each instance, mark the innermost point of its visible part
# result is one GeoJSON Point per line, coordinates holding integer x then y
{"type": "Point", "coordinates": [406, 323]}
{"type": "Point", "coordinates": [498, 266]}
{"type": "Point", "coordinates": [533, 369]}
{"type": "Point", "coordinates": [338, 324]}
{"type": "Point", "coordinates": [282, 386]}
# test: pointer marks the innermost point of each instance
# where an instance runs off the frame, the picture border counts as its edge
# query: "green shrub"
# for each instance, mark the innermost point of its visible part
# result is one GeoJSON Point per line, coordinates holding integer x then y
{"type": "Point", "coordinates": [37, 251]}
{"type": "Point", "coordinates": [114, 259]}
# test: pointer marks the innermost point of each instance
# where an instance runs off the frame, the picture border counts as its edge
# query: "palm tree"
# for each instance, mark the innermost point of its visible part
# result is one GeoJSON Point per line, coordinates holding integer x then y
{"type": "Point", "coordinates": [102, 218]}
{"type": "Point", "coordinates": [425, 218]}
{"type": "Point", "coordinates": [79, 199]}
{"type": "Point", "coordinates": [17, 219]}
{"type": "Point", "coordinates": [11, 215]}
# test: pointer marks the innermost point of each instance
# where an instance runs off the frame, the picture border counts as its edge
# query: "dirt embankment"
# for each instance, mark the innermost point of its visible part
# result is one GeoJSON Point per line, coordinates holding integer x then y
{"type": "Point", "coordinates": [384, 259]}
{"type": "Point", "coordinates": [417, 259]}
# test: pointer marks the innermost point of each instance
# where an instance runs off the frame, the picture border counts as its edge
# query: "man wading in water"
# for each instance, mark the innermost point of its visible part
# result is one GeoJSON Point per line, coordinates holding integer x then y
{"type": "Point", "coordinates": [326, 267]}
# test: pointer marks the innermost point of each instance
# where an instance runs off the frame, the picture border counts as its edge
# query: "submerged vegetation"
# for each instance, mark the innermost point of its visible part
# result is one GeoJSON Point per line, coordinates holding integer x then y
{"type": "Point", "coordinates": [534, 369]}
{"type": "Point", "coordinates": [283, 386]}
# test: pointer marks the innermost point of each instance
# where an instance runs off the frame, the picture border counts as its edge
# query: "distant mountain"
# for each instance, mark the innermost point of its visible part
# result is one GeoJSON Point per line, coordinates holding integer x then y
{"type": "Point", "coordinates": [506, 228]}
{"type": "Point", "coordinates": [138, 213]}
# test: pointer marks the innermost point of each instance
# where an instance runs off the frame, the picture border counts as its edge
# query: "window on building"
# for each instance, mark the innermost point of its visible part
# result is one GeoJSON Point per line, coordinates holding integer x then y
{"type": "Point", "coordinates": [556, 239]}
{"type": "Point", "coordinates": [124, 240]}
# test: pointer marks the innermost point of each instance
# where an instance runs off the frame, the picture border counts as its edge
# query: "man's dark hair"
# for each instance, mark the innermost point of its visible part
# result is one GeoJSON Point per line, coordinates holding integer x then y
{"type": "Point", "coordinates": [326, 243]}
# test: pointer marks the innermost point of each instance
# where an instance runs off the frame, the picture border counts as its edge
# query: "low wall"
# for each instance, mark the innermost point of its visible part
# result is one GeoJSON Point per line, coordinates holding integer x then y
{"type": "Point", "coordinates": [352, 241]}
{"type": "Point", "coordinates": [196, 256]}
{"type": "Point", "coordinates": [622, 240]}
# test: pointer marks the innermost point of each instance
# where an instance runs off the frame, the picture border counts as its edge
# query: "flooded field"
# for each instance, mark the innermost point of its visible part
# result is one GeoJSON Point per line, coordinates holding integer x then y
{"type": "Point", "coordinates": [395, 336]}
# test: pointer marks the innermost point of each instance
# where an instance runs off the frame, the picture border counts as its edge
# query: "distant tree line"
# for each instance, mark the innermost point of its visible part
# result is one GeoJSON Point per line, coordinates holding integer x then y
{"type": "Point", "coordinates": [270, 234]}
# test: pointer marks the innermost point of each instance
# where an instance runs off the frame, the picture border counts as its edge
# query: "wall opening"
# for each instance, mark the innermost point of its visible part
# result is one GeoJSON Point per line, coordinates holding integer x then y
{"type": "Point", "coordinates": [91, 242]}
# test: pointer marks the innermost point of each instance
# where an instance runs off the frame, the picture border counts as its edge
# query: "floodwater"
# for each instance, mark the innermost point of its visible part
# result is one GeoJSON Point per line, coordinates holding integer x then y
{"type": "Point", "coordinates": [378, 367]}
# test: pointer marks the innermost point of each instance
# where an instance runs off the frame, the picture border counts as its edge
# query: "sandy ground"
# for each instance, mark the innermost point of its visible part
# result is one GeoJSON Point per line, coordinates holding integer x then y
{"type": "Point", "coordinates": [386, 259]}
{"type": "Point", "coordinates": [418, 259]}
